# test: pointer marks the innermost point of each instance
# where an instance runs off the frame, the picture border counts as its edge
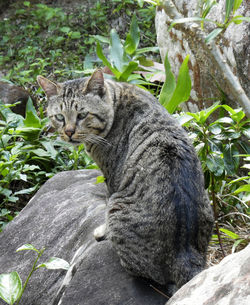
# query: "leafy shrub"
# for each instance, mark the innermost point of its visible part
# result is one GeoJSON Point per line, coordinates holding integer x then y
{"type": "Point", "coordinates": [223, 148]}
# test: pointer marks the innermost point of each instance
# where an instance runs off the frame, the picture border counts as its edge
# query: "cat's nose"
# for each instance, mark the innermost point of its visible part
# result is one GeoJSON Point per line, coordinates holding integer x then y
{"type": "Point", "coordinates": [69, 132]}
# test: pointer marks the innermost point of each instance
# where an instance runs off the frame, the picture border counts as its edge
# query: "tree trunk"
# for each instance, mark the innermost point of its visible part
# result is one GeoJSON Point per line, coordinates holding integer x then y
{"type": "Point", "coordinates": [221, 66]}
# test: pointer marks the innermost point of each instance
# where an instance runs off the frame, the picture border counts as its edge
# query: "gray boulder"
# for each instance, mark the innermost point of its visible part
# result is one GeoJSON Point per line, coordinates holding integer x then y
{"type": "Point", "coordinates": [226, 283]}
{"type": "Point", "coordinates": [62, 217]}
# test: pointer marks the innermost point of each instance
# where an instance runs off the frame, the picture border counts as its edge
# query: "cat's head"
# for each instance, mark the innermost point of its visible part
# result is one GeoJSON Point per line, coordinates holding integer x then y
{"type": "Point", "coordinates": [80, 110]}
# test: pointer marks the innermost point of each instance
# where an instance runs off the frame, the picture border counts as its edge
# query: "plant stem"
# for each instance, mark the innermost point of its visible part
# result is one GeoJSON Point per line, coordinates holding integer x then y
{"type": "Point", "coordinates": [31, 272]}
{"type": "Point", "coordinates": [216, 215]}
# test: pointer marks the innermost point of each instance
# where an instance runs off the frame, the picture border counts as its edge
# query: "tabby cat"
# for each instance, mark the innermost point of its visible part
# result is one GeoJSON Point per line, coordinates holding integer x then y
{"type": "Point", "coordinates": [158, 215]}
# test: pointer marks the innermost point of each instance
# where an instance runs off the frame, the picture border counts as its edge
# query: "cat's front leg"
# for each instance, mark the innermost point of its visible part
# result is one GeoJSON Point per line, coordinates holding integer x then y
{"type": "Point", "coordinates": [100, 232]}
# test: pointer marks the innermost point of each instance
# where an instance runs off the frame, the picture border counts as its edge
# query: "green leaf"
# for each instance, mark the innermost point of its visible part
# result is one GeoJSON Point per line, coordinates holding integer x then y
{"type": "Point", "coordinates": [100, 179]}
{"type": "Point", "coordinates": [237, 4]}
{"type": "Point", "coordinates": [215, 164]}
{"type": "Point", "coordinates": [236, 244]}
{"type": "Point", "coordinates": [27, 247]}
{"type": "Point", "coordinates": [102, 39]}
{"type": "Point", "coordinates": [132, 66]}
{"type": "Point", "coordinates": [183, 87]}
{"type": "Point", "coordinates": [55, 263]}
{"type": "Point", "coordinates": [10, 287]}
{"type": "Point", "coordinates": [239, 19]}
{"type": "Point", "coordinates": [75, 35]}
{"type": "Point", "coordinates": [65, 29]}
{"type": "Point", "coordinates": [169, 85]}
{"type": "Point", "coordinates": [213, 34]}
{"type": "Point", "coordinates": [133, 37]}
{"type": "Point", "coordinates": [229, 233]}
{"type": "Point", "coordinates": [31, 118]}
{"type": "Point", "coordinates": [229, 7]}
{"type": "Point", "coordinates": [105, 61]}
{"type": "Point", "coordinates": [116, 51]}
{"type": "Point", "coordinates": [27, 191]}
{"type": "Point", "coordinates": [148, 49]}
{"type": "Point", "coordinates": [243, 188]}
{"type": "Point", "coordinates": [26, 3]}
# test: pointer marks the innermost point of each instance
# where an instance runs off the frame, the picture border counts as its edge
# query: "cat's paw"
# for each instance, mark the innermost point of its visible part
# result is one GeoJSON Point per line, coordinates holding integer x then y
{"type": "Point", "coordinates": [100, 232]}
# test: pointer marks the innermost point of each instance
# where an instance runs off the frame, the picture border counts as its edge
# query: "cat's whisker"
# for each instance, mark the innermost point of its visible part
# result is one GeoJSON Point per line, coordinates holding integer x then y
{"type": "Point", "coordinates": [94, 139]}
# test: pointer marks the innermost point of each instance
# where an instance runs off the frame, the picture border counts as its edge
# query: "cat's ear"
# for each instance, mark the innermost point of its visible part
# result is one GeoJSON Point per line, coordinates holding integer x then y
{"type": "Point", "coordinates": [96, 83]}
{"type": "Point", "coordinates": [48, 86]}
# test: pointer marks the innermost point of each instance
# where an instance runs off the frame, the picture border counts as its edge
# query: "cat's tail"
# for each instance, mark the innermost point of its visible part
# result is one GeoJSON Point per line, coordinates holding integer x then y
{"type": "Point", "coordinates": [187, 265]}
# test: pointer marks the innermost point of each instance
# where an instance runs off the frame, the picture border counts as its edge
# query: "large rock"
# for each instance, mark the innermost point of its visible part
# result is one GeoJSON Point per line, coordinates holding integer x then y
{"type": "Point", "coordinates": [208, 78]}
{"type": "Point", "coordinates": [224, 284]}
{"type": "Point", "coordinates": [62, 217]}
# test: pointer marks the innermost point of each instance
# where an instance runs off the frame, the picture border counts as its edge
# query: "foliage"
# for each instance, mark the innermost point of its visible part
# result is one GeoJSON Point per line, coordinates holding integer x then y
{"type": "Point", "coordinates": [230, 9]}
{"type": "Point", "coordinates": [223, 150]}
{"type": "Point", "coordinates": [219, 144]}
{"type": "Point", "coordinates": [28, 158]}
{"type": "Point", "coordinates": [173, 94]}
{"type": "Point", "coordinates": [11, 289]}
{"type": "Point", "coordinates": [51, 41]}
{"type": "Point", "coordinates": [125, 58]}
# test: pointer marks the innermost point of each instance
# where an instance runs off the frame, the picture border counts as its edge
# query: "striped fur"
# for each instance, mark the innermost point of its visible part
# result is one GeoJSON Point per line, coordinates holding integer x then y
{"type": "Point", "coordinates": [158, 215]}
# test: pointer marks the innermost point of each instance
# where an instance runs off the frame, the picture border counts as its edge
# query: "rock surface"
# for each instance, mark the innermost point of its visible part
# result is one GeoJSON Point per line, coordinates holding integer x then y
{"type": "Point", "coordinates": [205, 74]}
{"type": "Point", "coordinates": [62, 217]}
{"type": "Point", "coordinates": [227, 283]}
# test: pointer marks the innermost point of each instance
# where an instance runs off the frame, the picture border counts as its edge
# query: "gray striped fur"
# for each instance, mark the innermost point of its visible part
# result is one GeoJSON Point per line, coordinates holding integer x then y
{"type": "Point", "coordinates": [159, 217]}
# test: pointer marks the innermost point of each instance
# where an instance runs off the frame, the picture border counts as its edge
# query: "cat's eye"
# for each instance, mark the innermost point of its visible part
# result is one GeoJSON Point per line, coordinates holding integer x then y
{"type": "Point", "coordinates": [82, 115]}
{"type": "Point", "coordinates": [59, 117]}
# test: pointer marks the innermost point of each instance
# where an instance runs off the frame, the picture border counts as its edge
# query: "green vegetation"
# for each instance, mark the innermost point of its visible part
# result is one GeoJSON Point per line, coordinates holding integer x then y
{"type": "Point", "coordinates": [11, 288]}
{"type": "Point", "coordinates": [63, 46]}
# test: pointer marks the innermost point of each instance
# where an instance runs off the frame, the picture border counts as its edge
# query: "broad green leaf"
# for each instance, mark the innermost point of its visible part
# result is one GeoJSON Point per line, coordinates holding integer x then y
{"type": "Point", "coordinates": [185, 118]}
{"type": "Point", "coordinates": [31, 118]}
{"type": "Point", "coordinates": [238, 116]}
{"type": "Point", "coordinates": [105, 61]}
{"type": "Point", "coordinates": [237, 4]}
{"type": "Point", "coordinates": [204, 114]}
{"type": "Point", "coordinates": [215, 164]}
{"type": "Point", "coordinates": [169, 85]}
{"type": "Point", "coordinates": [116, 51]}
{"type": "Point", "coordinates": [100, 179]}
{"type": "Point", "coordinates": [55, 263]}
{"type": "Point", "coordinates": [229, 7]}
{"type": "Point", "coordinates": [243, 188]}
{"type": "Point", "coordinates": [132, 66]}
{"type": "Point", "coordinates": [75, 35]}
{"type": "Point", "coordinates": [231, 160]}
{"type": "Point", "coordinates": [183, 87]}
{"type": "Point", "coordinates": [65, 29]}
{"type": "Point", "coordinates": [10, 287]}
{"type": "Point", "coordinates": [27, 247]}
{"type": "Point", "coordinates": [213, 35]}
{"type": "Point", "coordinates": [229, 233]}
{"type": "Point", "coordinates": [140, 2]}
{"type": "Point", "coordinates": [133, 37]}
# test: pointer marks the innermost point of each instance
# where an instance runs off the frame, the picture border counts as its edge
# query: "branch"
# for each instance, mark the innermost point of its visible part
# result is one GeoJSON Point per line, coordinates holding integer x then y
{"type": "Point", "coordinates": [215, 54]}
